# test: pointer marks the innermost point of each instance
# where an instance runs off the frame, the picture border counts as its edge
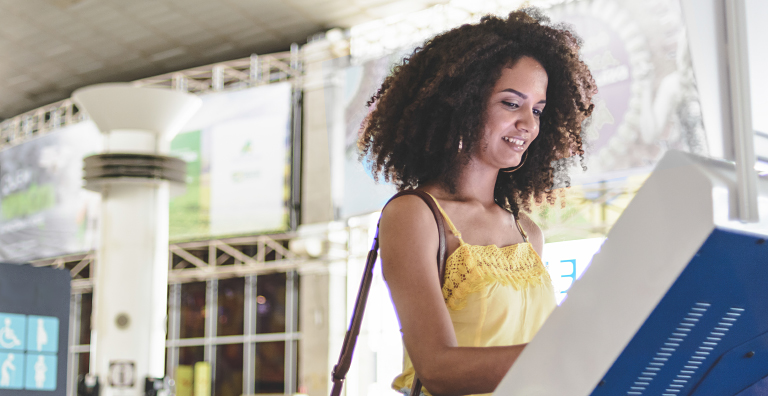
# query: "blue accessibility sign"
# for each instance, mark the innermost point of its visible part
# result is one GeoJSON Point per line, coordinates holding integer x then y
{"type": "Point", "coordinates": [42, 333]}
{"type": "Point", "coordinates": [28, 346]}
{"type": "Point", "coordinates": [34, 313]}
{"type": "Point", "coordinates": [12, 331]}
{"type": "Point", "coordinates": [11, 370]}
{"type": "Point", "coordinates": [41, 372]}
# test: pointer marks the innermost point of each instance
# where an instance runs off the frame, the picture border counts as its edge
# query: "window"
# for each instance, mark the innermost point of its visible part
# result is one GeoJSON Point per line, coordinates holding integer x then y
{"type": "Point", "coordinates": [246, 328]}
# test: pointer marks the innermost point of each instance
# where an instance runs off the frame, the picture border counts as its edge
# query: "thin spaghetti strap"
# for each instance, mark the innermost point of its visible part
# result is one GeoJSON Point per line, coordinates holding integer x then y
{"type": "Point", "coordinates": [447, 220]}
{"type": "Point", "coordinates": [522, 232]}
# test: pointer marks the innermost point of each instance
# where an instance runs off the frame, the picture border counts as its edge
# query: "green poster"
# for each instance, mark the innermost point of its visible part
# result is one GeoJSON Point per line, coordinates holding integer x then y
{"type": "Point", "coordinates": [189, 212]}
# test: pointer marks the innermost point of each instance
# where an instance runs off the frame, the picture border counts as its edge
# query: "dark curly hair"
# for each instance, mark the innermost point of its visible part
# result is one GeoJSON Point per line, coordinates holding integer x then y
{"type": "Point", "coordinates": [435, 102]}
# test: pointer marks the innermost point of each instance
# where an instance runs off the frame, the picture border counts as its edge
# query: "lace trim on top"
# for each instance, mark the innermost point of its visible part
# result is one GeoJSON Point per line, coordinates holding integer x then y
{"type": "Point", "coordinates": [471, 268]}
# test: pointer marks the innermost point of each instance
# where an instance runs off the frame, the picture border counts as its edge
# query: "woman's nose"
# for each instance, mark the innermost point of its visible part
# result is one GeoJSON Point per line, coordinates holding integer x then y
{"type": "Point", "coordinates": [527, 122]}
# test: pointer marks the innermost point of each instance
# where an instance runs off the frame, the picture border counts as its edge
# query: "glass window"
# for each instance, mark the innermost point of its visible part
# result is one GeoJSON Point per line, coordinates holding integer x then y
{"type": "Point", "coordinates": [188, 356]}
{"type": "Point", "coordinates": [270, 303]}
{"type": "Point", "coordinates": [270, 367]}
{"type": "Point", "coordinates": [86, 308]}
{"type": "Point", "coordinates": [231, 306]}
{"type": "Point", "coordinates": [192, 306]}
{"type": "Point", "coordinates": [297, 365]}
{"type": "Point", "coordinates": [229, 370]}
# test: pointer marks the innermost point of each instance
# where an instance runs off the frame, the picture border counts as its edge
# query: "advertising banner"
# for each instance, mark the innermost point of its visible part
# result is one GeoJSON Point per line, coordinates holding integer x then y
{"type": "Point", "coordinates": [238, 165]}
{"type": "Point", "coordinates": [238, 173]}
{"type": "Point", "coordinates": [44, 211]}
{"type": "Point", "coordinates": [647, 101]}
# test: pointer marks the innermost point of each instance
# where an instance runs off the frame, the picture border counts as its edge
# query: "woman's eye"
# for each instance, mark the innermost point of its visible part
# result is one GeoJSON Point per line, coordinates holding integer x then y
{"type": "Point", "coordinates": [537, 112]}
{"type": "Point", "coordinates": [510, 104]}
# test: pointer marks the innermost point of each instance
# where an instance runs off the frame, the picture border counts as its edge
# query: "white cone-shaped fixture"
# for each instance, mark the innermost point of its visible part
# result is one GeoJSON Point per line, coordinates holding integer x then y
{"type": "Point", "coordinates": [124, 107]}
{"type": "Point", "coordinates": [131, 277]}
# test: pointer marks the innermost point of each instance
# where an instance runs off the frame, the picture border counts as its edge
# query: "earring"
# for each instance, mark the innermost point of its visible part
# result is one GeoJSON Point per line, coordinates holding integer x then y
{"type": "Point", "coordinates": [510, 170]}
{"type": "Point", "coordinates": [461, 142]}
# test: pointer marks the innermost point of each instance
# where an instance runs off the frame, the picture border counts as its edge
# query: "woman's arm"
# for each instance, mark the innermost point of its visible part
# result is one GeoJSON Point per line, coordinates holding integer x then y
{"type": "Point", "coordinates": [409, 242]}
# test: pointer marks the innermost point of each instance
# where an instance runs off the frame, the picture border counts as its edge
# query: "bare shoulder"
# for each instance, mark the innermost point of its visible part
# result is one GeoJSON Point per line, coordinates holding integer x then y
{"type": "Point", "coordinates": [535, 235]}
{"type": "Point", "coordinates": [407, 210]}
{"type": "Point", "coordinates": [407, 225]}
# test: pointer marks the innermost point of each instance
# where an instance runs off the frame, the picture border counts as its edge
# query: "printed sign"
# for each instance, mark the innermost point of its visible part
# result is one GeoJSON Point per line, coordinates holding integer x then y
{"type": "Point", "coordinates": [41, 372]}
{"type": "Point", "coordinates": [42, 334]}
{"type": "Point", "coordinates": [566, 261]}
{"type": "Point", "coordinates": [238, 165]}
{"type": "Point", "coordinates": [237, 150]}
{"type": "Point", "coordinates": [11, 370]}
{"type": "Point", "coordinates": [12, 331]}
{"type": "Point", "coordinates": [44, 211]}
{"type": "Point", "coordinates": [122, 373]}
{"type": "Point", "coordinates": [39, 351]}
{"type": "Point", "coordinates": [34, 305]}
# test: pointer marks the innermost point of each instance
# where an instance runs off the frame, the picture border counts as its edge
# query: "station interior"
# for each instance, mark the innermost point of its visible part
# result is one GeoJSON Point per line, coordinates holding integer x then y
{"type": "Point", "coordinates": [235, 271]}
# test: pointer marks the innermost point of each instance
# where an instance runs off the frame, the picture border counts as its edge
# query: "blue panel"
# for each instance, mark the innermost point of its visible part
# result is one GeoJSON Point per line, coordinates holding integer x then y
{"type": "Point", "coordinates": [738, 368]}
{"type": "Point", "coordinates": [42, 334]}
{"type": "Point", "coordinates": [11, 370]}
{"type": "Point", "coordinates": [12, 332]}
{"type": "Point", "coordinates": [41, 372]}
{"type": "Point", "coordinates": [758, 389]}
{"type": "Point", "coordinates": [717, 305]}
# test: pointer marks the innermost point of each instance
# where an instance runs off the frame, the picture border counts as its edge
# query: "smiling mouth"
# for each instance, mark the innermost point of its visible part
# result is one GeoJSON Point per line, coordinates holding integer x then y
{"type": "Point", "coordinates": [517, 143]}
{"type": "Point", "coordinates": [514, 140]}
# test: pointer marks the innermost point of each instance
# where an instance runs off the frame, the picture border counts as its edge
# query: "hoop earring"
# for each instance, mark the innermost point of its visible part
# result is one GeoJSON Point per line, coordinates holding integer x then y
{"type": "Point", "coordinates": [513, 169]}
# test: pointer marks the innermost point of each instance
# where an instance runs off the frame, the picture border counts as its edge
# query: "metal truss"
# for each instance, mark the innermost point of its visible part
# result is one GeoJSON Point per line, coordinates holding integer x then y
{"type": "Point", "coordinates": [204, 260]}
{"type": "Point", "coordinates": [233, 257]}
{"type": "Point", "coordinates": [231, 75]}
{"type": "Point", "coordinates": [39, 121]}
{"type": "Point", "coordinates": [80, 267]}
{"type": "Point", "coordinates": [236, 74]}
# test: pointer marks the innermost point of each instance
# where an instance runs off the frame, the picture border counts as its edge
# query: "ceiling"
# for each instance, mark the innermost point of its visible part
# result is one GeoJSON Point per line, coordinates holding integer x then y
{"type": "Point", "coordinates": [49, 48]}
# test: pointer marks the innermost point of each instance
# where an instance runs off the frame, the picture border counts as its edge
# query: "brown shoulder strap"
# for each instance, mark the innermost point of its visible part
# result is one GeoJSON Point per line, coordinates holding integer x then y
{"type": "Point", "coordinates": [442, 249]}
{"type": "Point", "coordinates": [520, 228]}
{"type": "Point", "coordinates": [350, 339]}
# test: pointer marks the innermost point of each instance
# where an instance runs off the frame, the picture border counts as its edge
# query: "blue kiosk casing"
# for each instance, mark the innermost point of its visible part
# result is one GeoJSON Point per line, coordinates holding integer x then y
{"type": "Point", "coordinates": [675, 302]}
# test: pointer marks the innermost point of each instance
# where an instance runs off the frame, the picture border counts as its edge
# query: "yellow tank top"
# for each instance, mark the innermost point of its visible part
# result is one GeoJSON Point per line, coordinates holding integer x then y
{"type": "Point", "coordinates": [495, 296]}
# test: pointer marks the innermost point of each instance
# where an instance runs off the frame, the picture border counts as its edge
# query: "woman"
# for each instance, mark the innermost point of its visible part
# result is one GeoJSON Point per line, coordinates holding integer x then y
{"type": "Point", "coordinates": [477, 118]}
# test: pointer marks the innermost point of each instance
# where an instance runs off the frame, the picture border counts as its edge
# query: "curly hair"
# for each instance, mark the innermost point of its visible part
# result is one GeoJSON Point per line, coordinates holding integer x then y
{"type": "Point", "coordinates": [429, 113]}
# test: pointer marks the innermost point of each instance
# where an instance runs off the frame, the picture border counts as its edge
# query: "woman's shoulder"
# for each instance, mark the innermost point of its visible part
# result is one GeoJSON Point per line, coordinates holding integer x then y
{"type": "Point", "coordinates": [407, 209]}
{"type": "Point", "coordinates": [407, 235]}
{"type": "Point", "coordinates": [535, 235]}
{"type": "Point", "coordinates": [408, 218]}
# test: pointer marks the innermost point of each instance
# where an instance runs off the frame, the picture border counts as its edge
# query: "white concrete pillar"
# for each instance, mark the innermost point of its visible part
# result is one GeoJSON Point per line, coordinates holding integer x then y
{"type": "Point", "coordinates": [323, 308]}
{"type": "Point", "coordinates": [323, 131]}
{"type": "Point", "coordinates": [131, 276]}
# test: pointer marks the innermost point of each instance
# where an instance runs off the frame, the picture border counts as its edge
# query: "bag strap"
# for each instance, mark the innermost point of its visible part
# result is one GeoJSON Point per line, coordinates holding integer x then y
{"type": "Point", "coordinates": [340, 370]}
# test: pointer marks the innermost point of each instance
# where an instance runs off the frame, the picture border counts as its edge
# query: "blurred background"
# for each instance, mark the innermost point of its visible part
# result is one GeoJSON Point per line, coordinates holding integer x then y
{"type": "Point", "coordinates": [268, 238]}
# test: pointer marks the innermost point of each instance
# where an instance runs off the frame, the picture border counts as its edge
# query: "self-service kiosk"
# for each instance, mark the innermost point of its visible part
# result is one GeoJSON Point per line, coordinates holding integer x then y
{"type": "Point", "coordinates": [675, 302]}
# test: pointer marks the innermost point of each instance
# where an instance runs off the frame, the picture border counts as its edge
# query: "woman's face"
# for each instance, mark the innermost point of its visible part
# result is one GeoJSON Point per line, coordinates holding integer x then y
{"type": "Point", "coordinates": [513, 114]}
